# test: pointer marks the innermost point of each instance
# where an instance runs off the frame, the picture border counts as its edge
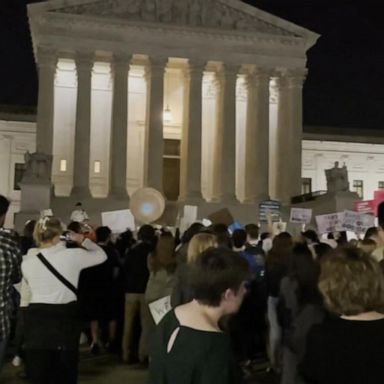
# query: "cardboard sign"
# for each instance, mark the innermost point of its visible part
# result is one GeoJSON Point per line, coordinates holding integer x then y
{"type": "Point", "coordinates": [223, 216]}
{"type": "Point", "coordinates": [333, 222]}
{"type": "Point", "coordinates": [118, 221]}
{"type": "Point", "coordinates": [160, 308]}
{"type": "Point", "coordinates": [301, 215]}
{"type": "Point", "coordinates": [271, 206]}
{"type": "Point", "coordinates": [357, 222]}
{"type": "Point", "coordinates": [46, 213]}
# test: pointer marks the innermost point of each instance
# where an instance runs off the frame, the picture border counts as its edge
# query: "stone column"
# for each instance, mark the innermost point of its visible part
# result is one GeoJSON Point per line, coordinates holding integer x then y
{"type": "Point", "coordinates": [226, 137]}
{"type": "Point", "coordinates": [84, 65]}
{"type": "Point", "coordinates": [47, 62]}
{"type": "Point", "coordinates": [119, 129]}
{"type": "Point", "coordinates": [257, 138]}
{"type": "Point", "coordinates": [289, 135]}
{"type": "Point", "coordinates": [191, 142]}
{"type": "Point", "coordinates": [155, 135]}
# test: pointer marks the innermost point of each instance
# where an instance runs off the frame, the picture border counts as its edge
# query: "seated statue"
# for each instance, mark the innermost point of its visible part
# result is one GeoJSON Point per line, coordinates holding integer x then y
{"type": "Point", "coordinates": [337, 179]}
{"type": "Point", "coordinates": [37, 168]}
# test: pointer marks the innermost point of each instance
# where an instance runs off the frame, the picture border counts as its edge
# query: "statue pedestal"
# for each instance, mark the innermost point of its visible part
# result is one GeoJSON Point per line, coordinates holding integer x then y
{"type": "Point", "coordinates": [34, 198]}
{"type": "Point", "coordinates": [330, 203]}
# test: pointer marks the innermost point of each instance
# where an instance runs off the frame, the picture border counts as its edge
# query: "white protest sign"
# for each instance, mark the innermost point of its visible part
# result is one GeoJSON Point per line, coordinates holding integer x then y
{"type": "Point", "coordinates": [190, 213]}
{"type": "Point", "coordinates": [207, 222]}
{"type": "Point", "coordinates": [46, 213]}
{"type": "Point", "coordinates": [333, 222]}
{"type": "Point", "coordinates": [118, 221]}
{"type": "Point", "coordinates": [357, 222]}
{"type": "Point", "coordinates": [301, 215]}
{"type": "Point", "coordinates": [160, 308]}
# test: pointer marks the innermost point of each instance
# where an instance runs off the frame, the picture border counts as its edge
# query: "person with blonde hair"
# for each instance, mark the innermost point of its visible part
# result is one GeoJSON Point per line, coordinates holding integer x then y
{"type": "Point", "coordinates": [349, 347]}
{"type": "Point", "coordinates": [52, 327]}
{"type": "Point", "coordinates": [181, 292]}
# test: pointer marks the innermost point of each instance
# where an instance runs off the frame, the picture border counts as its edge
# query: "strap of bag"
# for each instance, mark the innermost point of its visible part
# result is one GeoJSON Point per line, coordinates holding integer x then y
{"type": "Point", "coordinates": [57, 274]}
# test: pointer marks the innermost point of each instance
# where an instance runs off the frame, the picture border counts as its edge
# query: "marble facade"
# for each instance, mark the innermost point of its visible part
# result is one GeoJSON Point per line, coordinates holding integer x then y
{"type": "Point", "coordinates": [230, 74]}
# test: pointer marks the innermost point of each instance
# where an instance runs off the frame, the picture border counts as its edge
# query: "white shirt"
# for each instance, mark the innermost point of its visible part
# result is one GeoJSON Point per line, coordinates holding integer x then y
{"type": "Point", "coordinates": [44, 286]}
{"type": "Point", "coordinates": [79, 215]}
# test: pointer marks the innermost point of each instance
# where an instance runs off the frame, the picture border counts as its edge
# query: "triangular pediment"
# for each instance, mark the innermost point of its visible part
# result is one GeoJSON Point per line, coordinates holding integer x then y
{"type": "Point", "coordinates": [231, 15]}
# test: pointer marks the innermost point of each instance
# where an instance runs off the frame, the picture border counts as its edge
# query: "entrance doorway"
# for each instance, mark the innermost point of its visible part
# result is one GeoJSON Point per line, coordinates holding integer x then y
{"type": "Point", "coordinates": [171, 169]}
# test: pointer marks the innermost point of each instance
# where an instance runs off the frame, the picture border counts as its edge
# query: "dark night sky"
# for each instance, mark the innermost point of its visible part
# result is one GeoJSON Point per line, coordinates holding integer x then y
{"type": "Point", "coordinates": [346, 68]}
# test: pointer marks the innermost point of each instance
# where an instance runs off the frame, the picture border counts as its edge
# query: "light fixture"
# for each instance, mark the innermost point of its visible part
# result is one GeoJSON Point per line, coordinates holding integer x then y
{"type": "Point", "coordinates": [97, 167]}
{"type": "Point", "coordinates": [63, 165]}
{"type": "Point", "coordinates": [167, 115]}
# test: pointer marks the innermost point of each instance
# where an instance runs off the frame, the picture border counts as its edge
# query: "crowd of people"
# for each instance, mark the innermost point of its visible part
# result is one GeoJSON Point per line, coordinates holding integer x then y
{"type": "Point", "coordinates": [311, 308]}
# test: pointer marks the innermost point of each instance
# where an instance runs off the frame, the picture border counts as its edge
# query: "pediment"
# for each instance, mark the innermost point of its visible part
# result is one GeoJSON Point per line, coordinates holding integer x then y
{"type": "Point", "coordinates": [230, 15]}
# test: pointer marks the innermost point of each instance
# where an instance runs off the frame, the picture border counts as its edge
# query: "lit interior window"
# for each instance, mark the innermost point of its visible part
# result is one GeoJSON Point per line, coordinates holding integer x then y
{"type": "Point", "coordinates": [97, 167]}
{"type": "Point", "coordinates": [63, 165]}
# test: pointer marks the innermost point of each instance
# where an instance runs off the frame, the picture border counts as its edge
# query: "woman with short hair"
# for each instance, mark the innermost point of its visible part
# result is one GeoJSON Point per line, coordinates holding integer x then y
{"type": "Point", "coordinates": [189, 347]}
{"type": "Point", "coordinates": [348, 348]}
{"type": "Point", "coordinates": [52, 329]}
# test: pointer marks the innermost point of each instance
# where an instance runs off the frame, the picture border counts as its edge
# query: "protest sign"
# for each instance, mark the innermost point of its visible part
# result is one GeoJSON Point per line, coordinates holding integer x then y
{"type": "Point", "coordinates": [223, 216]}
{"type": "Point", "coordinates": [367, 207]}
{"type": "Point", "coordinates": [301, 215]}
{"type": "Point", "coordinates": [46, 213]}
{"type": "Point", "coordinates": [236, 225]}
{"type": "Point", "coordinates": [118, 221]}
{"type": "Point", "coordinates": [160, 308]}
{"type": "Point", "coordinates": [357, 222]}
{"type": "Point", "coordinates": [272, 207]}
{"type": "Point", "coordinates": [190, 213]}
{"type": "Point", "coordinates": [333, 222]}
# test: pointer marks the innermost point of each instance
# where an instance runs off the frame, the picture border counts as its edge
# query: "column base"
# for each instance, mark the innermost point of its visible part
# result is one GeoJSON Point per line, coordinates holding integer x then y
{"type": "Point", "coordinates": [119, 194]}
{"type": "Point", "coordinates": [226, 199]}
{"type": "Point", "coordinates": [193, 198]}
{"type": "Point", "coordinates": [81, 192]}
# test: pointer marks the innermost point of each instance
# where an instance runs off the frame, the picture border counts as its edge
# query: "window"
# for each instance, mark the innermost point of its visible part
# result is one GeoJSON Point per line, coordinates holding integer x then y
{"type": "Point", "coordinates": [381, 185]}
{"type": "Point", "coordinates": [306, 185]}
{"type": "Point", "coordinates": [358, 187]}
{"type": "Point", "coordinates": [18, 175]}
{"type": "Point", "coordinates": [63, 165]}
{"type": "Point", "coordinates": [97, 167]}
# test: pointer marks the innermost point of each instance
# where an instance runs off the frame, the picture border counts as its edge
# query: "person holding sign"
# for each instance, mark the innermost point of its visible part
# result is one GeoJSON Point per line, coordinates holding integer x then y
{"type": "Point", "coordinates": [189, 346]}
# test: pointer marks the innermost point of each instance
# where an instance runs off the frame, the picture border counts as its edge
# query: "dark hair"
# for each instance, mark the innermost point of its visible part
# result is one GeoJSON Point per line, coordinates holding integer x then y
{"type": "Point", "coordinates": [146, 233]}
{"type": "Point", "coordinates": [102, 234]}
{"type": "Point", "coordinates": [310, 234]}
{"type": "Point", "coordinates": [191, 231]}
{"type": "Point", "coordinates": [215, 271]}
{"type": "Point", "coordinates": [223, 237]}
{"type": "Point", "coordinates": [78, 204]}
{"type": "Point", "coordinates": [29, 228]}
{"type": "Point", "coordinates": [322, 251]}
{"type": "Point", "coordinates": [74, 226]}
{"type": "Point", "coordinates": [305, 271]}
{"type": "Point", "coordinates": [4, 205]}
{"type": "Point", "coordinates": [239, 238]}
{"type": "Point", "coordinates": [252, 231]}
{"type": "Point", "coordinates": [373, 231]}
{"type": "Point", "coordinates": [265, 235]}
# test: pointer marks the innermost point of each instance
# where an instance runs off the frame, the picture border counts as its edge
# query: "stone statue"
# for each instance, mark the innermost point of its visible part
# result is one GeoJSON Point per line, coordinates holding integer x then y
{"type": "Point", "coordinates": [337, 179]}
{"type": "Point", "coordinates": [37, 168]}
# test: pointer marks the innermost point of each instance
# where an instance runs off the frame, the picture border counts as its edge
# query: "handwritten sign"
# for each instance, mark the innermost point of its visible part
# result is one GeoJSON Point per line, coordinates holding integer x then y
{"type": "Point", "coordinates": [333, 222]}
{"type": "Point", "coordinates": [160, 308]}
{"type": "Point", "coordinates": [301, 215]}
{"type": "Point", "coordinates": [357, 222]}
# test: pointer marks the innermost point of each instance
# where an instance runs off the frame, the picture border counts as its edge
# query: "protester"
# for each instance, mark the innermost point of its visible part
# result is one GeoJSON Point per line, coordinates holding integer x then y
{"type": "Point", "coordinates": [181, 292]}
{"type": "Point", "coordinates": [52, 328]}
{"type": "Point", "coordinates": [348, 348]}
{"type": "Point", "coordinates": [98, 293]}
{"type": "Point", "coordinates": [135, 276]}
{"type": "Point", "coordinates": [300, 307]}
{"type": "Point", "coordinates": [10, 273]}
{"type": "Point", "coordinates": [182, 248]}
{"type": "Point", "coordinates": [79, 214]}
{"type": "Point", "coordinates": [124, 242]}
{"type": "Point", "coordinates": [26, 241]}
{"type": "Point", "coordinates": [276, 268]}
{"type": "Point", "coordinates": [189, 346]}
{"type": "Point", "coordinates": [368, 246]}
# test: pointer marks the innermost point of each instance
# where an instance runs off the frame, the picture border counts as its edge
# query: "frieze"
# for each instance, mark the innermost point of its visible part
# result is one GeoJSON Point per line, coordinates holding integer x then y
{"type": "Point", "coordinates": [188, 13]}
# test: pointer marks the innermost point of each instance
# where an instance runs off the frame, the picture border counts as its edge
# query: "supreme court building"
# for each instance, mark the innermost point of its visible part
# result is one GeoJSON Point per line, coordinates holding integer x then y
{"type": "Point", "coordinates": [200, 99]}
